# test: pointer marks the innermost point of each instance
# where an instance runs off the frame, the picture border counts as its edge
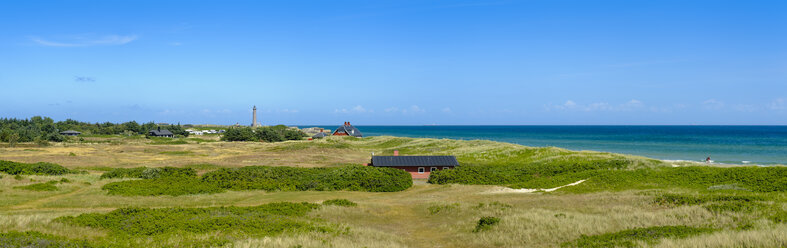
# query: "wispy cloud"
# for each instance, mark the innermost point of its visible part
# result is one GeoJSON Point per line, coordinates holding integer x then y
{"type": "Point", "coordinates": [356, 109]}
{"type": "Point", "coordinates": [446, 110]}
{"type": "Point", "coordinates": [643, 63]}
{"type": "Point", "coordinates": [85, 40]}
{"type": "Point", "coordinates": [570, 105]}
{"type": "Point", "coordinates": [778, 104]}
{"type": "Point", "coordinates": [411, 109]}
{"type": "Point", "coordinates": [713, 104]}
{"type": "Point", "coordinates": [83, 79]}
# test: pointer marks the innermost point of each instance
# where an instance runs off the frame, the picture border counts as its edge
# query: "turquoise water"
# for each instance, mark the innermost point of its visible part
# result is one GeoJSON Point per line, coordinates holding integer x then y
{"type": "Point", "coordinates": [724, 144]}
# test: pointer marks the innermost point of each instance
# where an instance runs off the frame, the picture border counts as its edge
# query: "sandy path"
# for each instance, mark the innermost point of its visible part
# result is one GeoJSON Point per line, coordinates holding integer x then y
{"type": "Point", "coordinates": [503, 190]}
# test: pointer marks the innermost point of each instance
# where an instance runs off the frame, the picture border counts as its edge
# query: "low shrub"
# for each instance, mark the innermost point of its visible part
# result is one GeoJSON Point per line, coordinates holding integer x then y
{"type": "Point", "coordinates": [268, 134]}
{"type": "Point", "coordinates": [779, 216]}
{"type": "Point", "coordinates": [629, 238]}
{"type": "Point", "coordinates": [614, 174]}
{"type": "Point", "coordinates": [680, 199]}
{"type": "Point", "coordinates": [39, 240]}
{"type": "Point", "coordinates": [733, 206]}
{"type": "Point", "coordinates": [181, 181]}
{"type": "Point", "coordinates": [47, 186]}
{"type": "Point", "coordinates": [486, 223]}
{"type": "Point", "coordinates": [173, 186]}
{"type": "Point", "coordinates": [167, 141]}
{"type": "Point", "coordinates": [494, 204]}
{"type": "Point", "coordinates": [124, 173]}
{"type": "Point", "coordinates": [202, 166]}
{"type": "Point", "coordinates": [340, 202]}
{"type": "Point", "coordinates": [354, 178]}
{"type": "Point", "coordinates": [267, 219]}
{"type": "Point", "coordinates": [40, 168]}
{"type": "Point", "coordinates": [149, 173]}
{"type": "Point", "coordinates": [756, 179]}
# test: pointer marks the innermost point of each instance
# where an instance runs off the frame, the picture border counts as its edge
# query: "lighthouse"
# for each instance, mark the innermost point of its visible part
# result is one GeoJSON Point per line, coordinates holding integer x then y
{"type": "Point", "coordinates": [254, 122]}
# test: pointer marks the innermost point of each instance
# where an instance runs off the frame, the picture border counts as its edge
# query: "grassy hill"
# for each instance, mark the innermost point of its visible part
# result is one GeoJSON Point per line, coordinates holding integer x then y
{"type": "Point", "coordinates": [626, 200]}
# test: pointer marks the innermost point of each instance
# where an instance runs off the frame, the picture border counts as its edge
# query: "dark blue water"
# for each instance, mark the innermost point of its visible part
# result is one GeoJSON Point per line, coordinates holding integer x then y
{"type": "Point", "coordinates": [724, 144]}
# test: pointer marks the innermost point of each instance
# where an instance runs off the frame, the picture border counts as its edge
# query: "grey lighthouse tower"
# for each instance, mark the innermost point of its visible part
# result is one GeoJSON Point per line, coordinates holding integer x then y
{"type": "Point", "coordinates": [254, 122]}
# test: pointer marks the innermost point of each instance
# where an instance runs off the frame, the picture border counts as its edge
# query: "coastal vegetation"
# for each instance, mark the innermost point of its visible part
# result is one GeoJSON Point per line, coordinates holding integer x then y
{"type": "Point", "coordinates": [130, 193]}
{"type": "Point", "coordinates": [176, 181]}
{"type": "Point", "coordinates": [268, 134]}
{"type": "Point", "coordinates": [40, 168]}
{"type": "Point", "coordinates": [42, 129]}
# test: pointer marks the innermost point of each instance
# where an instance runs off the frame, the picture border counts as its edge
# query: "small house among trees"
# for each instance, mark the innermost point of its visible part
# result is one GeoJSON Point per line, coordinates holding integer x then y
{"type": "Point", "coordinates": [70, 133]}
{"type": "Point", "coordinates": [417, 166]}
{"type": "Point", "coordinates": [161, 133]}
{"type": "Point", "coordinates": [347, 130]}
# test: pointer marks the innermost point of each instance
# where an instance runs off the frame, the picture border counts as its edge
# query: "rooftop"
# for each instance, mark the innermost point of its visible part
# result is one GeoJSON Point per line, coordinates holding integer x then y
{"type": "Point", "coordinates": [392, 161]}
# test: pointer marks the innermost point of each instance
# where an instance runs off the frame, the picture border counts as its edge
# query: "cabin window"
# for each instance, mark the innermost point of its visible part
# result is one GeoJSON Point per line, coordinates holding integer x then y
{"type": "Point", "coordinates": [420, 169]}
{"type": "Point", "coordinates": [445, 168]}
{"type": "Point", "coordinates": [432, 169]}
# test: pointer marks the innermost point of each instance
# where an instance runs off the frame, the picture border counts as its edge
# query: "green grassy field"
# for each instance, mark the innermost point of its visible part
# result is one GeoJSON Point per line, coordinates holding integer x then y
{"type": "Point", "coordinates": [626, 200]}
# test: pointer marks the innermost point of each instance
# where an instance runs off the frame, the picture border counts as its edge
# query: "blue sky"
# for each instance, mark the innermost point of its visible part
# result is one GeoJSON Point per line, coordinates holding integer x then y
{"type": "Point", "coordinates": [396, 62]}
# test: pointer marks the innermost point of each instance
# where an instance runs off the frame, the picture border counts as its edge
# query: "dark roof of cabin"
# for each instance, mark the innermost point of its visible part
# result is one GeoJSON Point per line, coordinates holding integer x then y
{"type": "Point", "coordinates": [70, 132]}
{"type": "Point", "coordinates": [350, 130]}
{"type": "Point", "coordinates": [319, 135]}
{"type": "Point", "coordinates": [161, 132]}
{"type": "Point", "coordinates": [389, 161]}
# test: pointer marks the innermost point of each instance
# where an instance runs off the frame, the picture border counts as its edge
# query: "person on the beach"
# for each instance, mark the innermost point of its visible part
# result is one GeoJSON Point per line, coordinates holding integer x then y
{"type": "Point", "coordinates": [707, 160]}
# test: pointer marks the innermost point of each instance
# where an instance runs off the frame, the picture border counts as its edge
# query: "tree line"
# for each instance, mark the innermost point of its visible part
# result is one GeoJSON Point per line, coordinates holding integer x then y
{"type": "Point", "coordinates": [44, 128]}
{"type": "Point", "coordinates": [268, 134]}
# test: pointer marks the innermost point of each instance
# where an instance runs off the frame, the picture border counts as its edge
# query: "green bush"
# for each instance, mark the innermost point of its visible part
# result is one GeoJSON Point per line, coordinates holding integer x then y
{"type": "Point", "coordinates": [486, 223]}
{"type": "Point", "coordinates": [38, 240]}
{"type": "Point", "coordinates": [354, 178]}
{"type": "Point", "coordinates": [47, 186]}
{"type": "Point", "coordinates": [629, 238]}
{"type": "Point", "coordinates": [181, 181]}
{"type": "Point", "coordinates": [517, 173]}
{"type": "Point", "coordinates": [733, 206]}
{"type": "Point", "coordinates": [173, 186]}
{"type": "Point", "coordinates": [124, 173]}
{"type": "Point", "coordinates": [149, 173]}
{"type": "Point", "coordinates": [612, 175]}
{"type": "Point", "coordinates": [267, 134]}
{"type": "Point", "coordinates": [757, 179]}
{"type": "Point", "coordinates": [40, 168]}
{"type": "Point", "coordinates": [680, 199]}
{"type": "Point", "coordinates": [340, 202]}
{"type": "Point", "coordinates": [267, 219]}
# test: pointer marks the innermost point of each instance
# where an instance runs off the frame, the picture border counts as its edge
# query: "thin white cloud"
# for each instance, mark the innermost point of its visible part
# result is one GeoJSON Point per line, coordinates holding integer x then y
{"type": "Point", "coordinates": [414, 109]}
{"type": "Point", "coordinates": [288, 111]}
{"type": "Point", "coordinates": [86, 40]}
{"type": "Point", "coordinates": [84, 79]}
{"type": "Point", "coordinates": [778, 104]}
{"type": "Point", "coordinates": [446, 110]}
{"type": "Point", "coordinates": [356, 109]}
{"type": "Point", "coordinates": [411, 109]}
{"type": "Point", "coordinates": [570, 105]}
{"type": "Point", "coordinates": [712, 104]}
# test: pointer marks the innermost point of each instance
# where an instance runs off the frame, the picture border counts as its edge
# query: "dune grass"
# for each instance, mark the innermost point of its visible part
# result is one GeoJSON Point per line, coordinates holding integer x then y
{"type": "Point", "coordinates": [743, 209]}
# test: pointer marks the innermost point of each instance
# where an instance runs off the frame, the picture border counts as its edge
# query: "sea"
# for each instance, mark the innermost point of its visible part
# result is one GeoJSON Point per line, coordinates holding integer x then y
{"type": "Point", "coordinates": [761, 145]}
